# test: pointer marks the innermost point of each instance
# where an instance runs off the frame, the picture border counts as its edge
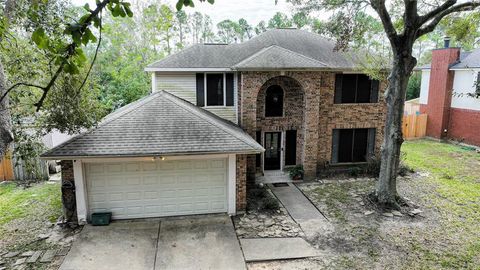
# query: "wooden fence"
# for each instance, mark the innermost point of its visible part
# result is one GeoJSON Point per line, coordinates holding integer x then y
{"type": "Point", "coordinates": [6, 168]}
{"type": "Point", "coordinates": [15, 169]}
{"type": "Point", "coordinates": [414, 126]}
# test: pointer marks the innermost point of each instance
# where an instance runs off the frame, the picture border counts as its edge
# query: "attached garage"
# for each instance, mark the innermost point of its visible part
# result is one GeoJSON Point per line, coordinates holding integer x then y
{"type": "Point", "coordinates": [160, 156]}
{"type": "Point", "coordinates": [157, 188]}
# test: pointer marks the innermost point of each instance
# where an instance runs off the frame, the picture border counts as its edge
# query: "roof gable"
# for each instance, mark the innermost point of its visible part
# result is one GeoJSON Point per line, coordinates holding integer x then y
{"type": "Point", "coordinates": [275, 57]}
{"type": "Point", "coordinates": [161, 124]}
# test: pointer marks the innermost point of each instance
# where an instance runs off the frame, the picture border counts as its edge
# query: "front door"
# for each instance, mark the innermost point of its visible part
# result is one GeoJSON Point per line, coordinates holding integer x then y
{"type": "Point", "coordinates": [272, 150]}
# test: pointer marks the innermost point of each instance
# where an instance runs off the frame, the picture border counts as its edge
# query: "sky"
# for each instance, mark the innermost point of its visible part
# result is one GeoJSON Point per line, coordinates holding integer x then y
{"type": "Point", "coordinates": [252, 10]}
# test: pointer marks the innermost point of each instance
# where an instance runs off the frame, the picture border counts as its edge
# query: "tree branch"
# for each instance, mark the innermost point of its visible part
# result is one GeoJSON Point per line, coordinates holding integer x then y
{"type": "Point", "coordinates": [94, 56]}
{"type": "Point", "coordinates": [452, 9]}
{"type": "Point", "coordinates": [379, 7]}
{"type": "Point", "coordinates": [70, 51]}
{"type": "Point", "coordinates": [17, 85]}
{"type": "Point", "coordinates": [425, 18]}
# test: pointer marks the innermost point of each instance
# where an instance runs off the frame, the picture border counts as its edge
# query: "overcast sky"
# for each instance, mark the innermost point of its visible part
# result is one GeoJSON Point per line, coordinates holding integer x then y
{"type": "Point", "coordinates": [252, 10]}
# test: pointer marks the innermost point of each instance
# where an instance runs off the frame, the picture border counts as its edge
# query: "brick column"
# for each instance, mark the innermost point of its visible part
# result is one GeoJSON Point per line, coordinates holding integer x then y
{"type": "Point", "coordinates": [311, 126]}
{"type": "Point", "coordinates": [250, 86]}
{"type": "Point", "coordinates": [440, 91]}
{"type": "Point", "coordinates": [241, 184]}
{"type": "Point", "coordinates": [68, 192]}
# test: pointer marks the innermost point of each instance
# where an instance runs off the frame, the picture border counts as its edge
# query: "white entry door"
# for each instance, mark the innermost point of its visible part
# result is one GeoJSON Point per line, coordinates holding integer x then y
{"type": "Point", "coordinates": [157, 188]}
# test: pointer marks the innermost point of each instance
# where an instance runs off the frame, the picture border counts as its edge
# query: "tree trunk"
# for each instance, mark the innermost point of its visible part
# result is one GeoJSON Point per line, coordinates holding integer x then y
{"type": "Point", "coordinates": [386, 189]}
{"type": "Point", "coordinates": [6, 136]}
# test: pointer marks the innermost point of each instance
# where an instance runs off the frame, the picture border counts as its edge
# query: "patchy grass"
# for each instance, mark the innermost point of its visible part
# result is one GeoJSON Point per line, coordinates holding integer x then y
{"type": "Point", "coordinates": [446, 235]}
{"type": "Point", "coordinates": [455, 178]}
{"type": "Point", "coordinates": [24, 212]}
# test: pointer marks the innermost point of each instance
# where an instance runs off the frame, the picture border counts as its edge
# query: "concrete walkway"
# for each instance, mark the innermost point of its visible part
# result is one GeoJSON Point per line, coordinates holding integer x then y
{"type": "Point", "coordinates": [267, 249]}
{"type": "Point", "coordinates": [312, 222]}
{"type": "Point", "coordinates": [198, 242]}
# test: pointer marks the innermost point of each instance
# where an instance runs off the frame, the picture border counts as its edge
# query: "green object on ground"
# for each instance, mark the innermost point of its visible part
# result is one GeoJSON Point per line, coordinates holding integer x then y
{"type": "Point", "coordinates": [101, 219]}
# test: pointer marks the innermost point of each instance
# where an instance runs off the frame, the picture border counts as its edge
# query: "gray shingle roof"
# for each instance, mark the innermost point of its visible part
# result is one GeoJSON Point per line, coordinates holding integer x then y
{"type": "Point", "coordinates": [278, 57]}
{"type": "Point", "coordinates": [160, 124]}
{"type": "Point", "coordinates": [468, 60]}
{"type": "Point", "coordinates": [293, 41]}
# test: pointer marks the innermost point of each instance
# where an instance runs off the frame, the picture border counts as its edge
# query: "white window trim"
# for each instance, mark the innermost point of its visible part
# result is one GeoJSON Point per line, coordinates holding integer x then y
{"type": "Point", "coordinates": [224, 91]}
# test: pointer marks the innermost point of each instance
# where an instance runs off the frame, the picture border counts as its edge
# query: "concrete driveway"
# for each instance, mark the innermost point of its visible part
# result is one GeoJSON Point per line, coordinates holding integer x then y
{"type": "Point", "coordinates": [200, 242]}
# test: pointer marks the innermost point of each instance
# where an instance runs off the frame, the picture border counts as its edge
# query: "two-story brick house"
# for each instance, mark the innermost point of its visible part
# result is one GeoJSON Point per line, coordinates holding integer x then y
{"type": "Point", "coordinates": [227, 112]}
{"type": "Point", "coordinates": [290, 90]}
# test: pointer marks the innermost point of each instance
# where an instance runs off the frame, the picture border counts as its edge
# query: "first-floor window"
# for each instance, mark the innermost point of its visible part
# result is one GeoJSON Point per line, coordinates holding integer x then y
{"type": "Point", "coordinates": [215, 89]}
{"type": "Point", "coordinates": [352, 145]}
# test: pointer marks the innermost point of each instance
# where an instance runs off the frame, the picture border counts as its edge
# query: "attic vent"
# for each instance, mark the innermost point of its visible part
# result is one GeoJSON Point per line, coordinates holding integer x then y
{"type": "Point", "coordinates": [287, 28]}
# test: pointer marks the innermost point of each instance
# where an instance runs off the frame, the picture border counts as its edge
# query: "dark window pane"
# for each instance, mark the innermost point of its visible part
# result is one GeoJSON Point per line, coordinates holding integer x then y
{"type": "Point", "coordinates": [229, 88]}
{"type": "Point", "coordinates": [364, 85]}
{"type": "Point", "coordinates": [349, 84]}
{"type": "Point", "coordinates": [374, 92]}
{"type": "Point", "coordinates": [274, 101]}
{"type": "Point", "coordinates": [291, 147]}
{"type": "Point", "coordinates": [371, 141]}
{"type": "Point", "coordinates": [345, 145]}
{"type": "Point", "coordinates": [200, 90]}
{"type": "Point", "coordinates": [338, 88]}
{"type": "Point", "coordinates": [360, 142]}
{"type": "Point", "coordinates": [214, 89]}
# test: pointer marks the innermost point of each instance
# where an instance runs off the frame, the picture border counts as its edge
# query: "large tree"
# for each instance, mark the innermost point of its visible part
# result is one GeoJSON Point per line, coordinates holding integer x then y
{"type": "Point", "coordinates": [404, 22]}
{"type": "Point", "coordinates": [67, 59]}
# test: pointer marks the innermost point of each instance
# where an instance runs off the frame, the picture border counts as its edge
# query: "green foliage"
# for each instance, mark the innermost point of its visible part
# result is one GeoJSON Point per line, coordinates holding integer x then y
{"type": "Point", "coordinates": [296, 172]}
{"type": "Point", "coordinates": [413, 87]}
{"type": "Point", "coordinates": [279, 20]}
{"type": "Point", "coordinates": [260, 199]}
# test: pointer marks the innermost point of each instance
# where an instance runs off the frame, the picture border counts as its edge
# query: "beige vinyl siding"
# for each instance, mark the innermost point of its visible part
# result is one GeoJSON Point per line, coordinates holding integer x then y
{"type": "Point", "coordinates": [184, 85]}
{"type": "Point", "coordinates": [224, 112]}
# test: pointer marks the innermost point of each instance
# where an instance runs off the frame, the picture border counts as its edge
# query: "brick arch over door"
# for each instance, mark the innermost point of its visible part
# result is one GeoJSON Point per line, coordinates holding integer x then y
{"type": "Point", "coordinates": [293, 110]}
{"type": "Point", "coordinates": [310, 84]}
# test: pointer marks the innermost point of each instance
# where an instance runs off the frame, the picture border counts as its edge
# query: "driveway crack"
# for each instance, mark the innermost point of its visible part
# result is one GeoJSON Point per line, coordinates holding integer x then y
{"type": "Point", "coordinates": [156, 245]}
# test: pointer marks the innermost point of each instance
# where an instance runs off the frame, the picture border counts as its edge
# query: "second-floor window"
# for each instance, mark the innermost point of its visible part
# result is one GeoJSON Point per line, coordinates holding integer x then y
{"type": "Point", "coordinates": [355, 88]}
{"type": "Point", "coordinates": [215, 89]}
{"type": "Point", "coordinates": [274, 101]}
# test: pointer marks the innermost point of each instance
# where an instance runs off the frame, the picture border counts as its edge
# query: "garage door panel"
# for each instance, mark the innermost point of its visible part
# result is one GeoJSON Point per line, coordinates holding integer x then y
{"type": "Point", "coordinates": [160, 188]}
{"type": "Point", "coordinates": [149, 166]}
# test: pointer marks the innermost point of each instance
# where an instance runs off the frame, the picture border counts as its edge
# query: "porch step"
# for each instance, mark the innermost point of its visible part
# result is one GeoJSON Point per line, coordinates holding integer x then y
{"type": "Point", "coordinates": [271, 177]}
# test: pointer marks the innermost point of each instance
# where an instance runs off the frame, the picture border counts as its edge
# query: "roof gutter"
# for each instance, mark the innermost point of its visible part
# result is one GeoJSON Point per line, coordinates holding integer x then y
{"type": "Point", "coordinates": [53, 157]}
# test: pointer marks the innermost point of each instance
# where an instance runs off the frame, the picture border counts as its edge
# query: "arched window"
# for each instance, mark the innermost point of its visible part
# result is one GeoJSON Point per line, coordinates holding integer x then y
{"type": "Point", "coordinates": [274, 101]}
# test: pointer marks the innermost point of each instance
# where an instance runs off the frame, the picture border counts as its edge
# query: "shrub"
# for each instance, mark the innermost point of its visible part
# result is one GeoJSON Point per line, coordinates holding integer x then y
{"type": "Point", "coordinates": [296, 173]}
{"type": "Point", "coordinates": [354, 171]}
{"type": "Point", "coordinates": [260, 199]}
{"type": "Point", "coordinates": [270, 203]}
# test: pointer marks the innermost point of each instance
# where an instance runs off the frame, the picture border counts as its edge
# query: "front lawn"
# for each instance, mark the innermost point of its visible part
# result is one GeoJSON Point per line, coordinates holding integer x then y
{"type": "Point", "coordinates": [445, 189]}
{"type": "Point", "coordinates": [27, 212]}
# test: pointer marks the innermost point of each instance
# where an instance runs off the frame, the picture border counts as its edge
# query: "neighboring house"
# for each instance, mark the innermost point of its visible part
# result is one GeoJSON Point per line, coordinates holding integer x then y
{"type": "Point", "coordinates": [447, 86]}
{"type": "Point", "coordinates": [221, 114]}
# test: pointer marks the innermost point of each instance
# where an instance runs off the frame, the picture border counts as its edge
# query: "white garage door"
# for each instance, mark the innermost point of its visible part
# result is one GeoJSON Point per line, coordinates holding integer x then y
{"type": "Point", "coordinates": [157, 188]}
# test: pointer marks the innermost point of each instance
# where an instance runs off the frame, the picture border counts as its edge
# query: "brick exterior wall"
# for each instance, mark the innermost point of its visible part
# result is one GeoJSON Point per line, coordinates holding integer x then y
{"type": "Point", "coordinates": [464, 126]}
{"type": "Point", "coordinates": [440, 91]}
{"type": "Point", "coordinates": [320, 114]}
{"type": "Point", "coordinates": [68, 193]}
{"type": "Point", "coordinates": [241, 183]}
{"type": "Point", "coordinates": [293, 114]}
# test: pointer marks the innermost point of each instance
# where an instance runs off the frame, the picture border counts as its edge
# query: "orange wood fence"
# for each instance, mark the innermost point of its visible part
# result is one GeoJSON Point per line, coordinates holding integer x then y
{"type": "Point", "coordinates": [6, 168]}
{"type": "Point", "coordinates": [414, 126]}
